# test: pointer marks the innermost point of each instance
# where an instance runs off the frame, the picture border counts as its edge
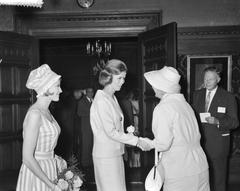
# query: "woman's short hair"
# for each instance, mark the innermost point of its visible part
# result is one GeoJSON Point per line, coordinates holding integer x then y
{"type": "Point", "coordinates": [112, 67]}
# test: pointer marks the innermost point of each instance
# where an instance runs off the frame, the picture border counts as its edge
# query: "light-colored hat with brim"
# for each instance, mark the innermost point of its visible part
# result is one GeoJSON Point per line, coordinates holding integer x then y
{"type": "Point", "coordinates": [165, 79]}
{"type": "Point", "coordinates": [41, 79]}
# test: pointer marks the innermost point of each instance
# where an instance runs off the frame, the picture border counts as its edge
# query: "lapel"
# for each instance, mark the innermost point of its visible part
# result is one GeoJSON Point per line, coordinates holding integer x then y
{"type": "Point", "coordinates": [215, 101]}
{"type": "Point", "coordinates": [87, 101]}
{"type": "Point", "coordinates": [119, 110]}
{"type": "Point", "coordinates": [119, 113]}
{"type": "Point", "coordinates": [114, 103]}
{"type": "Point", "coordinates": [202, 97]}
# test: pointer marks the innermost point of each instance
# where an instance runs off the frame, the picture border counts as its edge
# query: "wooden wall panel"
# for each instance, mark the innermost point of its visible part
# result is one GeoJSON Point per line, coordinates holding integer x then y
{"type": "Point", "coordinates": [6, 116]}
{"type": "Point", "coordinates": [18, 54]}
{"type": "Point", "coordinates": [21, 74]}
{"type": "Point", "coordinates": [11, 155]}
{"type": "Point", "coordinates": [6, 80]}
{"type": "Point", "coordinates": [21, 110]}
{"type": "Point", "coordinates": [5, 162]}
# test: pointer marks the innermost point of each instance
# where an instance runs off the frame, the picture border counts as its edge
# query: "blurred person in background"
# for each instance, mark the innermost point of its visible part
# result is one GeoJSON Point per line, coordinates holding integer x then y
{"type": "Point", "coordinates": [85, 131]}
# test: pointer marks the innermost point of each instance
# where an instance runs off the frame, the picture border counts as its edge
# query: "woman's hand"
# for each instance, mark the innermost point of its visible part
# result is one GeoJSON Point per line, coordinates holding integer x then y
{"type": "Point", "coordinates": [145, 144]}
{"type": "Point", "coordinates": [57, 188]}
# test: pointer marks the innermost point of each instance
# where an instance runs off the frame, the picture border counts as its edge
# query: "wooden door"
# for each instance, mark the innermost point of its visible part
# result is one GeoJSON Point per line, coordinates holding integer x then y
{"type": "Point", "coordinates": [18, 55]}
{"type": "Point", "coordinates": [158, 48]}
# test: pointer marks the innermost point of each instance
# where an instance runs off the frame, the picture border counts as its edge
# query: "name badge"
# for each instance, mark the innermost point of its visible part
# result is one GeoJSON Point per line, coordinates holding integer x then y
{"type": "Point", "coordinates": [221, 110]}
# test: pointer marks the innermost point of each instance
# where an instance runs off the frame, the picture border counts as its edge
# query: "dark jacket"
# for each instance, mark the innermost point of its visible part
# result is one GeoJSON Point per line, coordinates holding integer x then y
{"type": "Point", "coordinates": [214, 142]}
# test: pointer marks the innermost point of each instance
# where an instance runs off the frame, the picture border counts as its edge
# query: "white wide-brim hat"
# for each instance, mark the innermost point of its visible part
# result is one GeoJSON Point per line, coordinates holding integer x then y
{"type": "Point", "coordinates": [165, 79]}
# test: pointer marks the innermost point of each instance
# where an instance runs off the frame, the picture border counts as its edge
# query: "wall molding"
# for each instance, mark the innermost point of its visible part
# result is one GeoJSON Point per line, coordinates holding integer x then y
{"type": "Point", "coordinates": [209, 40]}
{"type": "Point", "coordinates": [87, 25]}
{"type": "Point", "coordinates": [204, 32]}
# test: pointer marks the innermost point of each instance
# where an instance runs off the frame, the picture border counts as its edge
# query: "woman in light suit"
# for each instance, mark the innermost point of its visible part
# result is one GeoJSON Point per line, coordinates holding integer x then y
{"type": "Point", "coordinates": [106, 119]}
{"type": "Point", "coordinates": [176, 134]}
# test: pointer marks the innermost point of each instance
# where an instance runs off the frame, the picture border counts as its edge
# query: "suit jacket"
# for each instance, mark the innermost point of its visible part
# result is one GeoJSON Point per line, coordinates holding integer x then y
{"type": "Point", "coordinates": [84, 107]}
{"type": "Point", "coordinates": [126, 106]}
{"type": "Point", "coordinates": [224, 108]}
{"type": "Point", "coordinates": [83, 112]}
{"type": "Point", "coordinates": [85, 134]}
{"type": "Point", "coordinates": [106, 119]}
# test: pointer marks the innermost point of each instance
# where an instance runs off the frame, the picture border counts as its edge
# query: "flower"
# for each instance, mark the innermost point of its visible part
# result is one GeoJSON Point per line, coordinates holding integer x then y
{"type": "Point", "coordinates": [76, 189]}
{"type": "Point", "coordinates": [77, 182]}
{"type": "Point", "coordinates": [62, 184]}
{"type": "Point", "coordinates": [68, 175]}
{"type": "Point", "coordinates": [70, 178]}
{"type": "Point", "coordinates": [130, 129]}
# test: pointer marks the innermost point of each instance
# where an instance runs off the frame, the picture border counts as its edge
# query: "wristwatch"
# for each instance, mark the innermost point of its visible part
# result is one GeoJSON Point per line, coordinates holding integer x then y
{"type": "Point", "coordinates": [85, 3]}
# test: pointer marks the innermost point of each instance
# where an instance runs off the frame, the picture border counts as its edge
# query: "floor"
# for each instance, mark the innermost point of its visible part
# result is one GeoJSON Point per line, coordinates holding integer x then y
{"type": "Point", "coordinates": [8, 183]}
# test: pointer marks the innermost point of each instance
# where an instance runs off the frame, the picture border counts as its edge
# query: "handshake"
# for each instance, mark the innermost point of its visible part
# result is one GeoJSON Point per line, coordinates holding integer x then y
{"type": "Point", "coordinates": [145, 144]}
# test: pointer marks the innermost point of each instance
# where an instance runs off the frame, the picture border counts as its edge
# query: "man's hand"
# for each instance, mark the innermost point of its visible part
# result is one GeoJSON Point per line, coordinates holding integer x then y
{"type": "Point", "coordinates": [212, 120]}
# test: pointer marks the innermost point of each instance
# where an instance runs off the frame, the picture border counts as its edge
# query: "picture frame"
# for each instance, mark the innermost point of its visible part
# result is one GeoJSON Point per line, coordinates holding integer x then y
{"type": "Point", "coordinates": [196, 65]}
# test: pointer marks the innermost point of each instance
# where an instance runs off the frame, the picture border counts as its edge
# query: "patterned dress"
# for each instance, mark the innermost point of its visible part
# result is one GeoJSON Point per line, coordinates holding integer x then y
{"type": "Point", "coordinates": [44, 154]}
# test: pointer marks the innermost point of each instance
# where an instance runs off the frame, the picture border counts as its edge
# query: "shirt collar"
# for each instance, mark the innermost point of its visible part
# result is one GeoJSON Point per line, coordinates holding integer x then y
{"type": "Point", "coordinates": [213, 91]}
{"type": "Point", "coordinates": [89, 99]}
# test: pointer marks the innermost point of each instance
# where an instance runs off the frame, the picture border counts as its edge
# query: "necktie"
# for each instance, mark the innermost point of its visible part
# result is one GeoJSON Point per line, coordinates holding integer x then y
{"type": "Point", "coordinates": [207, 101]}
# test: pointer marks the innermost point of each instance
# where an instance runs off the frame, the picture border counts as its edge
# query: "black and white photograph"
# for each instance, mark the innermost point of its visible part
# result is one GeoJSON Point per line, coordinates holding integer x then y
{"type": "Point", "coordinates": [118, 95]}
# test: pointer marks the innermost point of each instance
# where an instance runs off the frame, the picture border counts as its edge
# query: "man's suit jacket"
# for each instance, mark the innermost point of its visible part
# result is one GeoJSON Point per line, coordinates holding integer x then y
{"type": "Point", "coordinates": [224, 108]}
{"type": "Point", "coordinates": [127, 109]}
{"type": "Point", "coordinates": [86, 135]}
{"type": "Point", "coordinates": [84, 107]}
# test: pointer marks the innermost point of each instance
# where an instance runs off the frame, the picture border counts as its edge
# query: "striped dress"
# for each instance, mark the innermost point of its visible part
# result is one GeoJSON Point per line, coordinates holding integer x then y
{"type": "Point", "coordinates": [44, 154]}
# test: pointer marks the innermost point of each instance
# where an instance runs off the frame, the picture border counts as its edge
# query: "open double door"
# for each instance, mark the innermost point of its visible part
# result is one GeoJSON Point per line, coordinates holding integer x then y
{"type": "Point", "coordinates": [157, 48]}
{"type": "Point", "coordinates": [19, 54]}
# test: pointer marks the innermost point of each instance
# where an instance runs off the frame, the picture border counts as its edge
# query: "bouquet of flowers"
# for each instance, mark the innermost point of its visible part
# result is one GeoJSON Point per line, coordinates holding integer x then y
{"type": "Point", "coordinates": [70, 178]}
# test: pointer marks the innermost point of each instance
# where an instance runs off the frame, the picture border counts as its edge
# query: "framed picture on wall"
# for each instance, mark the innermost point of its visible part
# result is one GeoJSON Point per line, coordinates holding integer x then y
{"type": "Point", "coordinates": [196, 65]}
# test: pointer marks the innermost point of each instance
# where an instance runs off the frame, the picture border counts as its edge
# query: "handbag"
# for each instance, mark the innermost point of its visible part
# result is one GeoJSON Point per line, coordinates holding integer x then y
{"type": "Point", "coordinates": [155, 177]}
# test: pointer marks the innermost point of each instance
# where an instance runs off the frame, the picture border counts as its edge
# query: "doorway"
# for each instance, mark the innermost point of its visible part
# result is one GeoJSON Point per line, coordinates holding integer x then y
{"type": "Point", "coordinates": [68, 57]}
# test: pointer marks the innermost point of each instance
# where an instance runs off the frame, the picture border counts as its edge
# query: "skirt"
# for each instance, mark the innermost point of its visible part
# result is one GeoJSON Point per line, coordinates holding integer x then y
{"type": "Point", "coordinates": [109, 174]}
{"type": "Point", "coordinates": [28, 181]}
{"type": "Point", "coordinates": [198, 182]}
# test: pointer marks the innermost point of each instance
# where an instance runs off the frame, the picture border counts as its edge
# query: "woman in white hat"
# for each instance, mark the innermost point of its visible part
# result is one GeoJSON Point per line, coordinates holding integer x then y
{"type": "Point", "coordinates": [106, 119]}
{"type": "Point", "coordinates": [40, 134]}
{"type": "Point", "coordinates": [176, 134]}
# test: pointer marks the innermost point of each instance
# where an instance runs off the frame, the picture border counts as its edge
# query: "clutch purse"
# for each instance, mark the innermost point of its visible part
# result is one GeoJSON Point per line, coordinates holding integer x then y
{"type": "Point", "coordinates": [155, 177]}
